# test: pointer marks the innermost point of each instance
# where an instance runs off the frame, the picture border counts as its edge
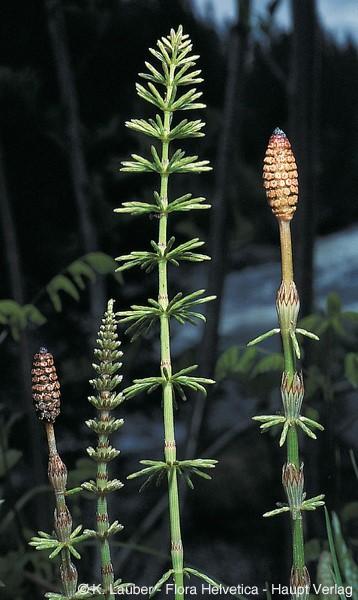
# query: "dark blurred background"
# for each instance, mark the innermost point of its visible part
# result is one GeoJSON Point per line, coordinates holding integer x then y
{"type": "Point", "coordinates": [67, 75]}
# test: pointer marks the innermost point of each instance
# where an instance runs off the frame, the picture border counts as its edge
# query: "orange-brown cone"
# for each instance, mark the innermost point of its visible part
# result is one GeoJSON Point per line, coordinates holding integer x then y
{"type": "Point", "coordinates": [45, 386]}
{"type": "Point", "coordinates": [280, 176]}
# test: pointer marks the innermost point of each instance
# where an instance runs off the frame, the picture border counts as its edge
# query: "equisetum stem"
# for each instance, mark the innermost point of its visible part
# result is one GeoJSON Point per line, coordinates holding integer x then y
{"type": "Point", "coordinates": [61, 507]}
{"type": "Point", "coordinates": [298, 549]}
{"type": "Point", "coordinates": [51, 439]}
{"type": "Point", "coordinates": [286, 250]}
{"type": "Point", "coordinates": [107, 355]}
{"type": "Point", "coordinates": [102, 519]}
{"type": "Point", "coordinates": [280, 179]}
{"type": "Point", "coordinates": [293, 456]}
{"type": "Point", "coordinates": [169, 432]}
{"type": "Point", "coordinates": [174, 54]}
{"type": "Point", "coordinates": [289, 366]}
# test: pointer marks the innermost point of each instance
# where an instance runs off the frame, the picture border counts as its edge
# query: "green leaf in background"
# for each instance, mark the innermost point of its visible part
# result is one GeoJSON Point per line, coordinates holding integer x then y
{"type": "Point", "coordinates": [271, 362]}
{"type": "Point", "coordinates": [334, 304]}
{"type": "Point", "coordinates": [312, 322]}
{"type": "Point", "coordinates": [227, 363]}
{"type": "Point", "coordinates": [346, 561]}
{"type": "Point", "coordinates": [315, 380]}
{"type": "Point", "coordinates": [351, 368]}
{"type": "Point", "coordinates": [247, 362]}
{"type": "Point", "coordinates": [11, 314]}
{"type": "Point", "coordinates": [80, 272]}
{"type": "Point", "coordinates": [85, 268]}
{"type": "Point", "coordinates": [71, 281]}
{"type": "Point", "coordinates": [312, 550]}
{"type": "Point", "coordinates": [84, 469]}
{"type": "Point", "coordinates": [337, 577]}
{"type": "Point", "coordinates": [33, 315]}
{"type": "Point", "coordinates": [333, 320]}
{"type": "Point", "coordinates": [102, 263]}
{"type": "Point", "coordinates": [12, 566]}
{"type": "Point", "coordinates": [61, 283]}
{"type": "Point", "coordinates": [9, 460]}
{"type": "Point", "coordinates": [325, 574]}
{"type": "Point", "coordinates": [349, 512]}
{"type": "Point", "coordinates": [9, 308]}
{"type": "Point", "coordinates": [233, 361]}
{"type": "Point", "coordinates": [17, 317]}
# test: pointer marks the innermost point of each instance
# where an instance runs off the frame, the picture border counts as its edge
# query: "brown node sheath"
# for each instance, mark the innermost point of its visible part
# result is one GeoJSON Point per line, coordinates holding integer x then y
{"type": "Point", "coordinates": [293, 482]}
{"type": "Point", "coordinates": [287, 295]}
{"type": "Point", "coordinates": [291, 476]}
{"type": "Point", "coordinates": [107, 569]}
{"type": "Point", "coordinates": [46, 393]}
{"type": "Point", "coordinates": [300, 582]}
{"type": "Point", "coordinates": [292, 385]}
{"type": "Point", "coordinates": [102, 518]}
{"type": "Point", "coordinates": [63, 523]}
{"type": "Point", "coordinates": [69, 578]}
{"type": "Point", "coordinates": [57, 473]}
{"type": "Point", "coordinates": [287, 304]}
{"type": "Point", "coordinates": [280, 176]}
{"type": "Point", "coordinates": [177, 546]}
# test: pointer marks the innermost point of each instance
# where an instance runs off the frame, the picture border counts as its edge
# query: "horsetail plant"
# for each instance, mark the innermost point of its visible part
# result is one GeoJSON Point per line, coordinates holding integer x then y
{"type": "Point", "coordinates": [106, 399]}
{"type": "Point", "coordinates": [176, 64]}
{"type": "Point", "coordinates": [46, 397]}
{"type": "Point", "coordinates": [281, 185]}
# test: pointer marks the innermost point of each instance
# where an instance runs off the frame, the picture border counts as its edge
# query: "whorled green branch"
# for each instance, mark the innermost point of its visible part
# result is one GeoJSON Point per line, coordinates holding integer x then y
{"type": "Point", "coordinates": [165, 89]}
{"type": "Point", "coordinates": [107, 398]}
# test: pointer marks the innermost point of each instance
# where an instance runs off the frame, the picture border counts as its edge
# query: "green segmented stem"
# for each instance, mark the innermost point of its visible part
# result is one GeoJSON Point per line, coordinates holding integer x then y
{"type": "Point", "coordinates": [174, 54]}
{"type": "Point", "coordinates": [102, 519]}
{"type": "Point", "coordinates": [165, 357]}
{"type": "Point", "coordinates": [289, 365]}
{"type": "Point", "coordinates": [107, 355]}
{"type": "Point", "coordinates": [293, 456]}
{"type": "Point", "coordinates": [281, 185]}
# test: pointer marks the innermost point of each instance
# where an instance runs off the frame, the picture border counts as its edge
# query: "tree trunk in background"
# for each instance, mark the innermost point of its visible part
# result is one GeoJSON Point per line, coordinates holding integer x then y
{"type": "Point", "coordinates": [77, 162]}
{"type": "Point", "coordinates": [304, 135]}
{"type": "Point", "coordinates": [12, 256]}
{"type": "Point", "coordinates": [218, 238]}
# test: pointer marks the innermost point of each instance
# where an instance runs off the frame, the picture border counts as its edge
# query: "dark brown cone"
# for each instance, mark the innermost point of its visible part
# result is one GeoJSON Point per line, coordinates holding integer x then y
{"type": "Point", "coordinates": [45, 386]}
{"type": "Point", "coordinates": [280, 176]}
